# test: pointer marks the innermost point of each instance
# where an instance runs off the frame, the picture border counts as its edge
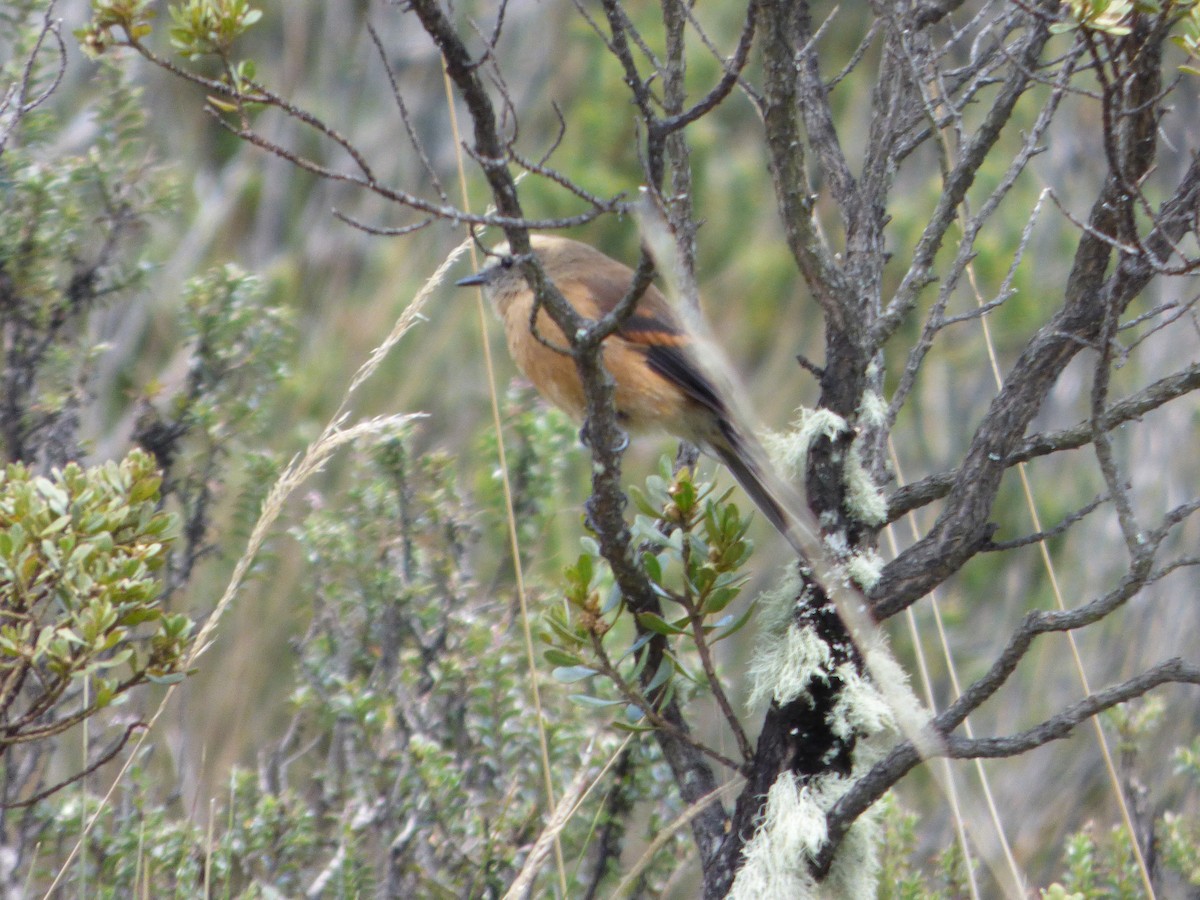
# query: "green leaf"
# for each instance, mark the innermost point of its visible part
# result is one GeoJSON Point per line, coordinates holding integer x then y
{"type": "Point", "coordinates": [642, 503]}
{"type": "Point", "coordinates": [666, 669]}
{"type": "Point", "coordinates": [145, 489]}
{"type": "Point", "coordinates": [579, 576]}
{"type": "Point", "coordinates": [593, 702]}
{"type": "Point", "coordinates": [565, 633]}
{"type": "Point", "coordinates": [658, 625]}
{"type": "Point", "coordinates": [138, 615]}
{"type": "Point", "coordinates": [572, 674]}
{"type": "Point", "coordinates": [642, 641]}
{"type": "Point", "coordinates": [612, 600]}
{"type": "Point", "coordinates": [719, 598]}
{"type": "Point", "coordinates": [103, 692]}
{"type": "Point", "coordinates": [683, 670]}
{"type": "Point", "coordinates": [653, 567]}
{"type": "Point", "coordinates": [729, 627]}
{"type": "Point", "coordinates": [636, 729]}
{"type": "Point", "coordinates": [168, 678]}
{"type": "Point", "coordinates": [116, 660]}
{"type": "Point", "coordinates": [57, 525]}
{"type": "Point", "coordinates": [559, 658]}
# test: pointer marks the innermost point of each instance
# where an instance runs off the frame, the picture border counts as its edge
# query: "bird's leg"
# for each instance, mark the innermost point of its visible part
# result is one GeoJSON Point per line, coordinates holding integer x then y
{"type": "Point", "coordinates": [589, 516]}
{"type": "Point", "coordinates": [585, 438]}
{"type": "Point", "coordinates": [589, 519]}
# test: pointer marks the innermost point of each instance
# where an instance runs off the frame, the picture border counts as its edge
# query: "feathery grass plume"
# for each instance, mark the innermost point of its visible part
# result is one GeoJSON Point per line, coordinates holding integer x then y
{"type": "Point", "coordinates": [312, 460]}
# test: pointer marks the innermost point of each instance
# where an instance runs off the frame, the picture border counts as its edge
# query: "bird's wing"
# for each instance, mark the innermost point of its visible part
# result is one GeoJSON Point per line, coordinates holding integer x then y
{"type": "Point", "coordinates": [654, 329]}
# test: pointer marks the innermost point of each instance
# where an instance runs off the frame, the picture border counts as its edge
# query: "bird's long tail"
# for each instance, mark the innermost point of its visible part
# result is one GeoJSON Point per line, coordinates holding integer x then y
{"type": "Point", "coordinates": [747, 461]}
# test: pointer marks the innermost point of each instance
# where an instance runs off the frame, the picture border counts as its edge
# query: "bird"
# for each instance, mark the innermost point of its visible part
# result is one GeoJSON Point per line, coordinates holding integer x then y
{"type": "Point", "coordinates": [662, 380]}
{"type": "Point", "coordinates": [666, 377]}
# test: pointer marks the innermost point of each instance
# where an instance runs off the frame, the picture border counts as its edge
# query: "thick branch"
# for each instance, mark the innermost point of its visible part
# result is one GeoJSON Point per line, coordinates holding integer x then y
{"type": "Point", "coordinates": [781, 29]}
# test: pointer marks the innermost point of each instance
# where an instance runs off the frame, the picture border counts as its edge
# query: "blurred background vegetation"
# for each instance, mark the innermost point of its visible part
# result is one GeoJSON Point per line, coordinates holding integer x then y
{"type": "Point", "coordinates": [239, 309]}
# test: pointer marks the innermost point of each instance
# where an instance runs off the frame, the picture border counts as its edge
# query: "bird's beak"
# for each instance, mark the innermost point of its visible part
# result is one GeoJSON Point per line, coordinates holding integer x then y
{"type": "Point", "coordinates": [472, 280]}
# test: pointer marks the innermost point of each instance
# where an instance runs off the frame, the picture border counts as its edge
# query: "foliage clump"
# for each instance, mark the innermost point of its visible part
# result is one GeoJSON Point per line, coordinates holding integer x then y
{"type": "Point", "coordinates": [80, 553]}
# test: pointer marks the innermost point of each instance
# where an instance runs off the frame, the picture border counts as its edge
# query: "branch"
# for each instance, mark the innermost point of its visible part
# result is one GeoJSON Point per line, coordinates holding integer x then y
{"type": "Point", "coordinates": [781, 33]}
{"type": "Point", "coordinates": [1039, 537]}
{"type": "Point", "coordinates": [732, 73]}
{"type": "Point", "coordinates": [962, 527]}
{"type": "Point", "coordinates": [648, 707]}
{"type": "Point", "coordinates": [108, 756]}
{"type": "Point", "coordinates": [491, 152]}
{"type": "Point", "coordinates": [933, 11]}
{"type": "Point", "coordinates": [1133, 407]}
{"type": "Point", "coordinates": [1118, 490]}
{"type": "Point", "coordinates": [1059, 726]}
{"type": "Point", "coordinates": [605, 507]}
{"type": "Point", "coordinates": [413, 139]}
{"type": "Point", "coordinates": [814, 105]}
{"type": "Point", "coordinates": [904, 757]}
{"type": "Point", "coordinates": [16, 102]}
{"type": "Point", "coordinates": [959, 181]}
{"type": "Point", "coordinates": [936, 319]}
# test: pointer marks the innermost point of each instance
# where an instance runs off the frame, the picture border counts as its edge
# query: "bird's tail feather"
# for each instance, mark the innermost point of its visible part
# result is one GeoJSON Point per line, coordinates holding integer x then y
{"type": "Point", "coordinates": [747, 461]}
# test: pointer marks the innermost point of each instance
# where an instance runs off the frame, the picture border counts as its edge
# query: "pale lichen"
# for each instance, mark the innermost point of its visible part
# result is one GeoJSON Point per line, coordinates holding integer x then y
{"type": "Point", "coordinates": [775, 606]}
{"type": "Point", "coordinates": [865, 500]}
{"type": "Point", "coordinates": [865, 568]}
{"type": "Point", "coordinates": [791, 832]}
{"type": "Point", "coordinates": [872, 412]}
{"type": "Point", "coordinates": [789, 450]}
{"type": "Point", "coordinates": [861, 709]}
{"type": "Point", "coordinates": [785, 665]}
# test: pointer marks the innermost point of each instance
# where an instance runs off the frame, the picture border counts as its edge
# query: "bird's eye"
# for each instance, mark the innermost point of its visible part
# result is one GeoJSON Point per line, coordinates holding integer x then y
{"type": "Point", "coordinates": [506, 262]}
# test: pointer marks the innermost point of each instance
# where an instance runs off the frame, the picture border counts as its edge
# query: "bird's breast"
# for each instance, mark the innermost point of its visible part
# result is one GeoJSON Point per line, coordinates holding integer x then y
{"type": "Point", "coordinates": [644, 399]}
